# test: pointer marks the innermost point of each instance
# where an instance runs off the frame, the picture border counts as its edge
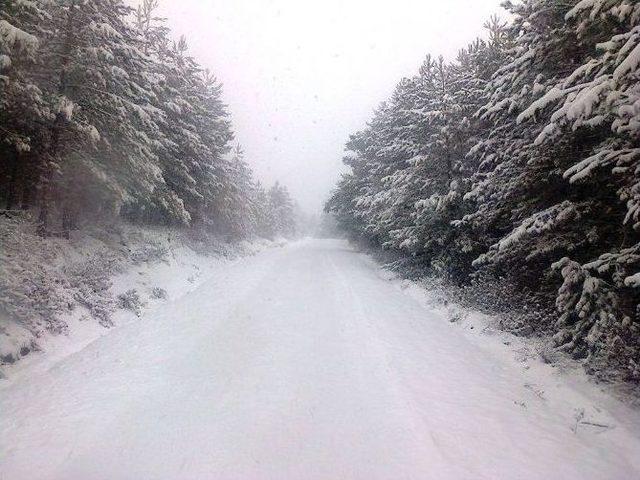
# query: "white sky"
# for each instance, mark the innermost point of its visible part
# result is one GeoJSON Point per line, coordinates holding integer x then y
{"type": "Point", "coordinates": [299, 76]}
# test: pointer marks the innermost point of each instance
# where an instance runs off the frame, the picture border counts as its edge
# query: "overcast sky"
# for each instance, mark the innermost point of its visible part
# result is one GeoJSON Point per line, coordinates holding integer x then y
{"type": "Point", "coordinates": [300, 76]}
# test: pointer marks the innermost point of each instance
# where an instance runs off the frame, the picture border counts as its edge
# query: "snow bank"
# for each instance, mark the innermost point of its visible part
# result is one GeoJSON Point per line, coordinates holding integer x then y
{"type": "Point", "coordinates": [552, 371]}
{"type": "Point", "coordinates": [57, 296]}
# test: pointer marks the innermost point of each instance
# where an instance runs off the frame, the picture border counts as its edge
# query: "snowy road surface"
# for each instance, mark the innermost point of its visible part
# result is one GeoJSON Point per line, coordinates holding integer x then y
{"type": "Point", "coordinates": [303, 363]}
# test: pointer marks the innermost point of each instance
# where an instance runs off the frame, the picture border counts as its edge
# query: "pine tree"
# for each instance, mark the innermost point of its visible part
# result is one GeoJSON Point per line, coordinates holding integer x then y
{"type": "Point", "coordinates": [23, 108]}
{"type": "Point", "coordinates": [103, 127]}
{"type": "Point", "coordinates": [522, 155]}
{"type": "Point", "coordinates": [281, 211]}
{"type": "Point", "coordinates": [409, 167]}
{"type": "Point", "coordinates": [104, 115]}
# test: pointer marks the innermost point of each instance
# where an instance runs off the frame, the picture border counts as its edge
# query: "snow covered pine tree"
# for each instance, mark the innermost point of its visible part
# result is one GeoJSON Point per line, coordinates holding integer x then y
{"type": "Point", "coordinates": [519, 165]}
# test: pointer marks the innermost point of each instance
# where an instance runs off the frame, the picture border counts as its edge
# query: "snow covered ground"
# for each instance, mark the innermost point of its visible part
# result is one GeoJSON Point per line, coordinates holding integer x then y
{"type": "Point", "coordinates": [63, 294]}
{"type": "Point", "coordinates": [307, 362]}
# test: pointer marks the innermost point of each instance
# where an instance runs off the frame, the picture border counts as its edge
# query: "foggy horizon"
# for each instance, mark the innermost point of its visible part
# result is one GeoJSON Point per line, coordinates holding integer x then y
{"type": "Point", "coordinates": [295, 95]}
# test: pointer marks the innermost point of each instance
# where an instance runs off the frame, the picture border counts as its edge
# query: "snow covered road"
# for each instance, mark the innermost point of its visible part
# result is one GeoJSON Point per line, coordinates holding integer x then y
{"type": "Point", "coordinates": [302, 363]}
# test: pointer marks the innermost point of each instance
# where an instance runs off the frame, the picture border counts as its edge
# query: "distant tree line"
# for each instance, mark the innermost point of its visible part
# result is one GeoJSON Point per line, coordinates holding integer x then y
{"type": "Point", "coordinates": [519, 164]}
{"type": "Point", "coordinates": [102, 115]}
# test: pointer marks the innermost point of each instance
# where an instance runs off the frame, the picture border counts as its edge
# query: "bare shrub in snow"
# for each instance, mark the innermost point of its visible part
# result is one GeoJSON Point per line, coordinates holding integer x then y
{"type": "Point", "coordinates": [32, 290]}
{"type": "Point", "coordinates": [150, 252]}
{"type": "Point", "coordinates": [130, 300]}
{"type": "Point", "coordinates": [42, 280]}
{"type": "Point", "coordinates": [159, 293]}
{"type": "Point", "coordinates": [15, 341]}
{"type": "Point", "coordinates": [90, 281]}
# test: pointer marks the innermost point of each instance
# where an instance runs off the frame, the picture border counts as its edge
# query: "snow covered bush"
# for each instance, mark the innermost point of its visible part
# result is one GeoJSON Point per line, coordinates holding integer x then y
{"type": "Point", "coordinates": [36, 289]}
{"type": "Point", "coordinates": [90, 282]}
{"type": "Point", "coordinates": [599, 303]}
{"type": "Point", "coordinates": [159, 293]}
{"type": "Point", "coordinates": [45, 280]}
{"type": "Point", "coordinates": [33, 290]}
{"type": "Point", "coordinates": [130, 300]}
{"type": "Point", "coordinates": [15, 341]}
{"type": "Point", "coordinates": [148, 252]}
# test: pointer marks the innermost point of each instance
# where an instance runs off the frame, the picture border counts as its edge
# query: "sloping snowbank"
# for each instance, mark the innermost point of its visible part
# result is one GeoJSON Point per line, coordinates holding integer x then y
{"type": "Point", "coordinates": [551, 376]}
{"type": "Point", "coordinates": [57, 295]}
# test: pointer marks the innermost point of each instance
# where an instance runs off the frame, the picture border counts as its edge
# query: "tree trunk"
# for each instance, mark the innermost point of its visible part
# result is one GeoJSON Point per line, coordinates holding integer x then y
{"type": "Point", "coordinates": [28, 188]}
{"type": "Point", "coordinates": [43, 218]}
{"type": "Point", "coordinates": [68, 219]}
{"type": "Point", "coordinates": [66, 222]}
{"type": "Point", "coordinates": [12, 190]}
{"type": "Point", "coordinates": [53, 155]}
{"type": "Point", "coordinates": [44, 199]}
